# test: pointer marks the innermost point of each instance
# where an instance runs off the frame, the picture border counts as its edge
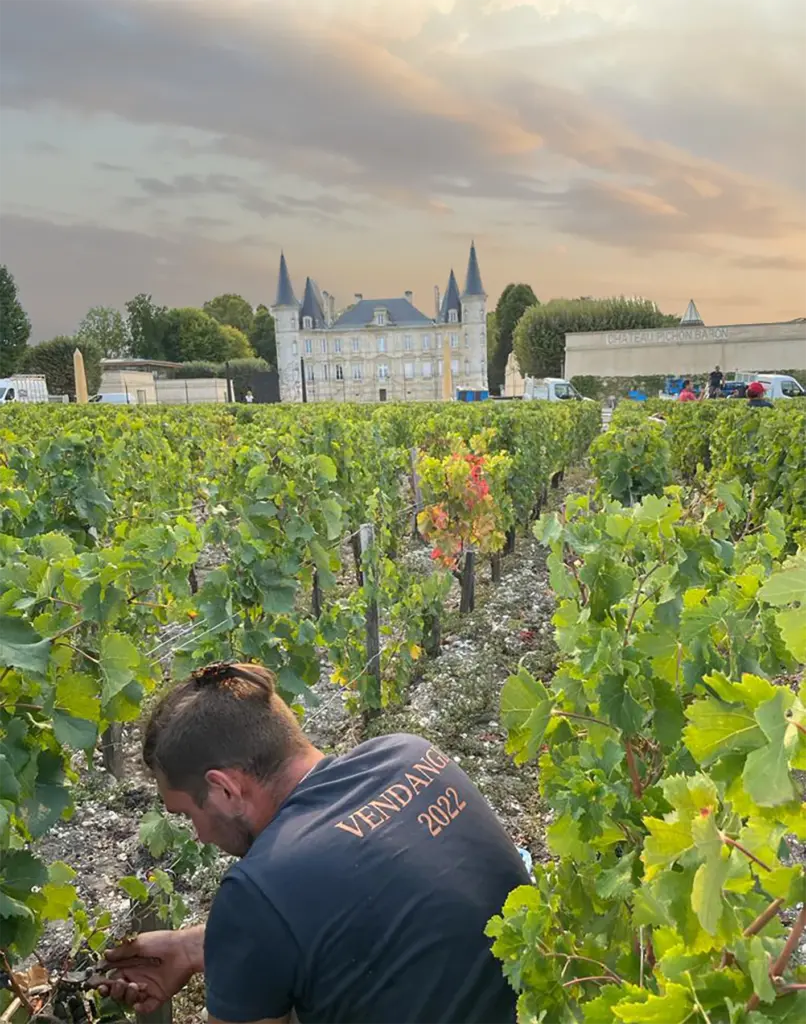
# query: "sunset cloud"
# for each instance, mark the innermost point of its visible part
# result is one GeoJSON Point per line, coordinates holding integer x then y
{"type": "Point", "coordinates": [366, 136]}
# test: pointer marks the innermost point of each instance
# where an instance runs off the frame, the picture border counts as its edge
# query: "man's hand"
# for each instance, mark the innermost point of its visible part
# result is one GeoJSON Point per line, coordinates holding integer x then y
{"type": "Point", "coordinates": [152, 968]}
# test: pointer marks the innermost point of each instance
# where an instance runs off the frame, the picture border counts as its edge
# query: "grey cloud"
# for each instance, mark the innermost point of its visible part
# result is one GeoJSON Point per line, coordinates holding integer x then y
{"type": "Point", "coordinates": [250, 198]}
{"type": "Point", "coordinates": [103, 165]}
{"type": "Point", "coordinates": [337, 109]}
{"type": "Point", "coordinates": [43, 148]}
{"type": "Point", "coordinates": [285, 97]}
{"type": "Point", "coordinates": [62, 270]}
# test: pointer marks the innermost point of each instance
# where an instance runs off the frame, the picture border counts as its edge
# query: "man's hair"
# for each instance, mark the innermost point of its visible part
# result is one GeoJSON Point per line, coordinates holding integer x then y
{"type": "Point", "coordinates": [686, 383]}
{"type": "Point", "coordinates": [223, 716]}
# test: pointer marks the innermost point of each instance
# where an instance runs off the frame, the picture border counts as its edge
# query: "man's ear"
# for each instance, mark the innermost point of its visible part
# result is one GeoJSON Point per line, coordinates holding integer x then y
{"type": "Point", "coordinates": [226, 783]}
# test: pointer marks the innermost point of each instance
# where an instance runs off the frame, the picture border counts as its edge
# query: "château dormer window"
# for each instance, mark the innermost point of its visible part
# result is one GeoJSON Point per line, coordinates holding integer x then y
{"type": "Point", "coordinates": [453, 317]}
{"type": "Point", "coordinates": [307, 323]}
{"type": "Point", "coordinates": [380, 317]}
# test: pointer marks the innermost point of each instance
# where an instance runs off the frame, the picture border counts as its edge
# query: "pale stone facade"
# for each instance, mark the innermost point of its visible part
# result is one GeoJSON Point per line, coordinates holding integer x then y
{"type": "Point", "coordinates": [380, 349]}
{"type": "Point", "coordinates": [687, 349]}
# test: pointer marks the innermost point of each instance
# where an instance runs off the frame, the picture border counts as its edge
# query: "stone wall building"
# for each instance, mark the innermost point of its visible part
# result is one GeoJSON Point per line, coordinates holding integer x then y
{"type": "Point", "coordinates": [690, 348]}
{"type": "Point", "coordinates": [380, 349]}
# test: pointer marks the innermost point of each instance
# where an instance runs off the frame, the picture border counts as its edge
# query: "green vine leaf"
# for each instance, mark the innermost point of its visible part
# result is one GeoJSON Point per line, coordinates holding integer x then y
{"type": "Point", "coordinates": [526, 707]}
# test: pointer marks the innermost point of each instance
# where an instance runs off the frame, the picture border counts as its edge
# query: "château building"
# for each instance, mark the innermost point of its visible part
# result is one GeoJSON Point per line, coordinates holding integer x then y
{"type": "Point", "coordinates": [380, 349]}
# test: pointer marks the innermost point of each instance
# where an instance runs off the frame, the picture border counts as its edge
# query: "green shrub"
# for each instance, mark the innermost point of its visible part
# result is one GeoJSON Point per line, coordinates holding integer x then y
{"type": "Point", "coordinates": [54, 359]}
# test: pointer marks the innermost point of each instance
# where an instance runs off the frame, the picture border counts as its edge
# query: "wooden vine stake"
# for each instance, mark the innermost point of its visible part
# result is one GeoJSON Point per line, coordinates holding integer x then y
{"type": "Point", "coordinates": [367, 538]}
{"type": "Point", "coordinates": [495, 566]}
{"type": "Point", "coordinates": [417, 491]}
{"type": "Point", "coordinates": [112, 750]}
{"type": "Point", "coordinates": [146, 919]}
{"type": "Point", "coordinates": [316, 596]}
{"type": "Point", "coordinates": [468, 599]}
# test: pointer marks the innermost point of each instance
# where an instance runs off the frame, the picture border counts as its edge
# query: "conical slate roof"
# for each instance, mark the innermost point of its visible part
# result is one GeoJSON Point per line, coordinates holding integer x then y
{"type": "Point", "coordinates": [285, 290]}
{"type": "Point", "coordinates": [691, 318]}
{"type": "Point", "coordinates": [451, 300]}
{"type": "Point", "coordinates": [473, 285]}
{"type": "Point", "coordinates": [312, 304]}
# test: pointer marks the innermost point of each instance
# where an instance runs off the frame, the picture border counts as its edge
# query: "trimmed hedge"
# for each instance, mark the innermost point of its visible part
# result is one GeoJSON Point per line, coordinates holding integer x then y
{"type": "Point", "coordinates": [54, 359]}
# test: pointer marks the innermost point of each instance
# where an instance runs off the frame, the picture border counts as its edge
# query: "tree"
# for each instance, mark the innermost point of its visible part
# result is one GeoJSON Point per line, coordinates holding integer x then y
{"type": "Point", "coordinates": [515, 298]}
{"type": "Point", "coordinates": [262, 337]}
{"type": "Point", "coordinates": [194, 335]}
{"type": "Point", "coordinates": [492, 336]}
{"type": "Point", "coordinates": [540, 333]}
{"type": "Point", "coordinates": [232, 310]}
{"type": "Point", "coordinates": [108, 329]}
{"type": "Point", "coordinates": [54, 358]}
{"type": "Point", "coordinates": [148, 326]}
{"type": "Point", "coordinates": [15, 327]}
{"type": "Point", "coordinates": [236, 344]}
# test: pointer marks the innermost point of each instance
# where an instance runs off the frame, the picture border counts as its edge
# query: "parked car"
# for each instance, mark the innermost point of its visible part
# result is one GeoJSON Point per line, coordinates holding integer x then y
{"type": "Point", "coordinates": [115, 398]}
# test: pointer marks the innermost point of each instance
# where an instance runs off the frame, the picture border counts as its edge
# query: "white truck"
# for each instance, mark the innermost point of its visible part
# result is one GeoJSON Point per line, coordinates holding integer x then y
{"type": "Point", "coordinates": [24, 388]}
{"type": "Point", "coordinates": [776, 385]}
{"type": "Point", "coordinates": [551, 389]}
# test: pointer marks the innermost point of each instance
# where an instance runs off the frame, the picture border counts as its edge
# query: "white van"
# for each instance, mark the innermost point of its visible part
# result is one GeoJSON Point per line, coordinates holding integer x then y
{"type": "Point", "coordinates": [776, 385]}
{"type": "Point", "coordinates": [551, 389]}
{"type": "Point", "coordinates": [24, 388]}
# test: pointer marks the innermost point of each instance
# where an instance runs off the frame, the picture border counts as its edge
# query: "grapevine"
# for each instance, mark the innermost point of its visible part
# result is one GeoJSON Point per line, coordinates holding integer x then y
{"type": "Point", "coordinates": [108, 519]}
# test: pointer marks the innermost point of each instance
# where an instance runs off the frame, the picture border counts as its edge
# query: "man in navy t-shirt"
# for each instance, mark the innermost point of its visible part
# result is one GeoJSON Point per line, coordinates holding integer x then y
{"type": "Point", "coordinates": [365, 881]}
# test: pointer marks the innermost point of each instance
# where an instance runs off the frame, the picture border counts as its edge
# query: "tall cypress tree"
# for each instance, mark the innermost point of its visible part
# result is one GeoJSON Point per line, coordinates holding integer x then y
{"type": "Point", "coordinates": [515, 299]}
{"type": "Point", "coordinates": [15, 327]}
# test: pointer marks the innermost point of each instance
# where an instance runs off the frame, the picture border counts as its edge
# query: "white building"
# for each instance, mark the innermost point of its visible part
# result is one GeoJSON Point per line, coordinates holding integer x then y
{"type": "Point", "coordinates": [379, 349]}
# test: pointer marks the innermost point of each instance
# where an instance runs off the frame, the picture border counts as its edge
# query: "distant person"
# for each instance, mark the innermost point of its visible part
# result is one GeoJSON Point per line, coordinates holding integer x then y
{"type": "Point", "coordinates": [716, 381]}
{"type": "Point", "coordinates": [249, 396]}
{"type": "Point", "coordinates": [755, 396]}
{"type": "Point", "coordinates": [687, 394]}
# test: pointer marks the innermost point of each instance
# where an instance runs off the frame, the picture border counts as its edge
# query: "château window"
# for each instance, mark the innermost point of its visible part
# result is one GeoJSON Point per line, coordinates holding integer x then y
{"type": "Point", "coordinates": [324, 345]}
{"type": "Point", "coordinates": [426, 341]}
{"type": "Point", "coordinates": [454, 341]}
{"type": "Point", "coordinates": [408, 370]}
{"type": "Point", "coordinates": [339, 371]}
{"type": "Point", "coordinates": [308, 346]}
{"type": "Point", "coordinates": [407, 343]}
{"type": "Point", "coordinates": [381, 344]}
{"type": "Point", "coordinates": [294, 349]}
{"type": "Point", "coordinates": [309, 374]}
{"type": "Point", "coordinates": [452, 317]}
{"type": "Point", "coordinates": [467, 340]}
{"type": "Point", "coordinates": [454, 365]}
{"type": "Point", "coordinates": [358, 372]}
{"type": "Point", "coordinates": [307, 323]}
{"type": "Point", "coordinates": [383, 371]}
{"type": "Point", "coordinates": [380, 317]}
{"type": "Point", "coordinates": [326, 371]}
{"type": "Point", "coordinates": [292, 322]}
{"type": "Point", "coordinates": [356, 344]}
{"type": "Point", "coordinates": [337, 345]}
{"type": "Point", "coordinates": [427, 369]}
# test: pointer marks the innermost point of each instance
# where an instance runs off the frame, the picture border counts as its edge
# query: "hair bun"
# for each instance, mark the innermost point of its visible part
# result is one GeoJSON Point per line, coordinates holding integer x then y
{"type": "Point", "coordinates": [228, 672]}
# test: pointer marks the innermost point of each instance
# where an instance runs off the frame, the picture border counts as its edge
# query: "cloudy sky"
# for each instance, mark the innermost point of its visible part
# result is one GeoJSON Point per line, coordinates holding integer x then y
{"type": "Point", "coordinates": [590, 147]}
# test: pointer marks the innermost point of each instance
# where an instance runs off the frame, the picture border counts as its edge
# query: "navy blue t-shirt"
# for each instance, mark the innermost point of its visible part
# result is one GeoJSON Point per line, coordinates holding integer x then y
{"type": "Point", "coordinates": [366, 898]}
